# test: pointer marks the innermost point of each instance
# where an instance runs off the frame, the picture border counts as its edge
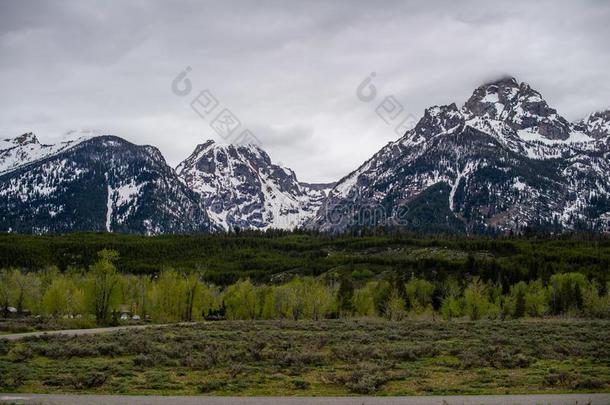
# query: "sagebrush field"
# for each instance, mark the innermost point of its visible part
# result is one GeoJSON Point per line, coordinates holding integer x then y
{"type": "Point", "coordinates": [330, 357]}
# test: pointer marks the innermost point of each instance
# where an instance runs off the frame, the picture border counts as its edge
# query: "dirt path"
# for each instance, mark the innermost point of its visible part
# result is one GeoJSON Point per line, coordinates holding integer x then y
{"type": "Point", "coordinates": [75, 332]}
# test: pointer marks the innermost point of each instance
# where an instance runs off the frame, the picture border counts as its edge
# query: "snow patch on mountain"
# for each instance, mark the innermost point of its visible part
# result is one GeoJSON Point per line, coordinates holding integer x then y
{"type": "Point", "coordinates": [242, 188]}
{"type": "Point", "coordinates": [25, 149]}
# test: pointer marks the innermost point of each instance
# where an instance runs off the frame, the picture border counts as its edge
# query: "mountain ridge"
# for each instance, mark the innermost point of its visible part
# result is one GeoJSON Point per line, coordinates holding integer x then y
{"type": "Point", "coordinates": [103, 183]}
{"type": "Point", "coordinates": [503, 161]}
{"type": "Point", "coordinates": [512, 136]}
{"type": "Point", "coordinates": [244, 189]}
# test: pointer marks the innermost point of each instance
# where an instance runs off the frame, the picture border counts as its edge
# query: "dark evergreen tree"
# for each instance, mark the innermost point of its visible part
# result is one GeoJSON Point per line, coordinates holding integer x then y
{"type": "Point", "coordinates": [345, 295]}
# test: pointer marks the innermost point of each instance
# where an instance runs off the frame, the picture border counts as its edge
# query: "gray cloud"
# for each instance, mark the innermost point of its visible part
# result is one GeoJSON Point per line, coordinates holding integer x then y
{"type": "Point", "coordinates": [288, 69]}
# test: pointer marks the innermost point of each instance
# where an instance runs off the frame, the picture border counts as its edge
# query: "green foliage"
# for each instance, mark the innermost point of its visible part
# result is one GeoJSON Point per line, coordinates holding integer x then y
{"type": "Point", "coordinates": [175, 296]}
{"type": "Point", "coordinates": [419, 294]}
{"type": "Point", "coordinates": [451, 308]}
{"type": "Point", "coordinates": [240, 301]}
{"type": "Point", "coordinates": [63, 297]}
{"type": "Point", "coordinates": [567, 292]}
{"type": "Point", "coordinates": [515, 304]}
{"type": "Point", "coordinates": [451, 300]}
{"type": "Point", "coordinates": [301, 298]}
{"type": "Point", "coordinates": [168, 302]}
{"type": "Point", "coordinates": [210, 300]}
{"type": "Point", "coordinates": [362, 274]}
{"type": "Point", "coordinates": [363, 300]}
{"type": "Point", "coordinates": [102, 281]}
{"type": "Point", "coordinates": [224, 259]}
{"type": "Point", "coordinates": [595, 304]}
{"type": "Point", "coordinates": [317, 299]}
{"type": "Point", "coordinates": [6, 290]}
{"type": "Point", "coordinates": [536, 299]}
{"type": "Point", "coordinates": [321, 277]}
{"type": "Point", "coordinates": [476, 300]}
{"type": "Point", "coordinates": [396, 307]}
{"type": "Point", "coordinates": [24, 286]}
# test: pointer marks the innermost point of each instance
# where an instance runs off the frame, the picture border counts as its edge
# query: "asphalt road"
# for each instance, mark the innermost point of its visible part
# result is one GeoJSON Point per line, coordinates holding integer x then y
{"type": "Point", "coordinates": [52, 399]}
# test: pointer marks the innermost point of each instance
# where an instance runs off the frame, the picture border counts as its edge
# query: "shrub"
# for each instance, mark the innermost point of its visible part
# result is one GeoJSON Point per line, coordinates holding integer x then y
{"type": "Point", "coordinates": [300, 384]}
{"type": "Point", "coordinates": [472, 359]}
{"type": "Point", "coordinates": [366, 378]}
{"type": "Point", "coordinates": [89, 380]}
{"type": "Point", "coordinates": [198, 362]}
{"type": "Point", "coordinates": [365, 383]}
{"type": "Point", "coordinates": [413, 353]}
{"type": "Point", "coordinates": [16, 378]}
{"type": "Point", "coordinates": [65, 349]}
{"type": "Point", "coordinates": [296, 359]}
{"type": "Point", "coordinates": [588, 383]}
{"type": "Point", "coordinates": [559, 378]}
{"type": "Point", "coordinates": [209, 386]}
{"type": "Point", "coordinates": [57, 380]}
{"type": "Point", "coordinates": [350, 352]}
{"type": "Point", "coordinates": [152, 360]}
{"type": "Point", "coordinates": [19, 353]}
{"type": "Point", "coordinates": [160, 380]}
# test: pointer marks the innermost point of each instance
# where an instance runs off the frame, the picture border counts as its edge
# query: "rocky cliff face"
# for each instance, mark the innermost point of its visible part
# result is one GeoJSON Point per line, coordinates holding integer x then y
{"type": "Point", "coordinates": [503, 161]}
{"type": "Point", "coordinates": [596, 125]}
{"type": "Point", "coordinates": [242, 188]}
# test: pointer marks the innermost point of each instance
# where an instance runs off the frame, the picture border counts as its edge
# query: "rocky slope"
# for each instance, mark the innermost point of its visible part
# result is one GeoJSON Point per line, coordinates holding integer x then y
{"type": "Point", "coordinates": [101, 183]}
{"type": "Point", "coordinates": [242, 188]}
{"type": "Point", "coordinates": [503, 161]}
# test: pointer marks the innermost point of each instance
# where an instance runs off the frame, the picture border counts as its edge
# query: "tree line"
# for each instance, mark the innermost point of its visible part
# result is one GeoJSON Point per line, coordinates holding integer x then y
{"type": "Point", "coordinates": [102, 293]}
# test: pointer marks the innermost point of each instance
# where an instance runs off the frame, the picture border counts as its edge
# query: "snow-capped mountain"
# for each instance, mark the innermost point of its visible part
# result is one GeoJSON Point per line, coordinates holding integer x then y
{"type": "Point", "coordinates": [596, 125]}
{"type": "Point", "coordinates": [503, 161]}
{"type": "Point", "coordinates": [26, 149]}
{"type": "Point", "coordinates": [242, 188]}
{"type": "Point", "coordinates": [99, 183]}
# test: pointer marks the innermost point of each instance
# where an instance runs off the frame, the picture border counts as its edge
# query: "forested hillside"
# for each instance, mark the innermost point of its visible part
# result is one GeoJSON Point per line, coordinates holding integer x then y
{"type": "Point", "coordinates": [95, 278]}
{"type": "Point", "coordinates": [278, 256]}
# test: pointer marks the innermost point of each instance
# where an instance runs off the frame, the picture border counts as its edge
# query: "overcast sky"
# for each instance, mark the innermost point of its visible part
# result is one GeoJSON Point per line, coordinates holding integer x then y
{"type": "Point", "coordinates": [288, 70]}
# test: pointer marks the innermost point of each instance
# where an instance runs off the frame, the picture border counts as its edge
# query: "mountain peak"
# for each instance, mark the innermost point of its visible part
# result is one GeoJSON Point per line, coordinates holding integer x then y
{"type": "Point", "coordinates": [203, 147]}
{"type": "Point", "coordinates": [26, 138]}
{"type": "Point", "coordinates": [519, 106]}
{"type": "Point", "coordinates": [502, 81]}
{"type": "Point", "coordinates": [24, 149]}
{"type": "Point", "coordinates": [596, 125]}
{"type": "Point", "coordinates": [212, 144]}
{"type": "Point", "coordinates": [20, 140]}
{"type": "Point", "coordinates": [243, 188]}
